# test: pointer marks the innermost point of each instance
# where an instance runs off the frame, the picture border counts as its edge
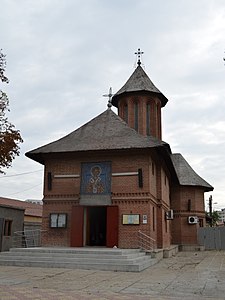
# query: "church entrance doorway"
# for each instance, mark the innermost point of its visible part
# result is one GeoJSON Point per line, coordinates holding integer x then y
{"type": "Point", "coordinates": [96, 226]}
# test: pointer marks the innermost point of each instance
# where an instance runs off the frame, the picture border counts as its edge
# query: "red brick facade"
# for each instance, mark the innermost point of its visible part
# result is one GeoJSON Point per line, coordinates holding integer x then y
{"type": "Point", "coordinates": [126, 194]}
{"type": "Point", "coordinates": [186, 202]}
{"type": "Point", "coordinates": [145, 178]}
{"type": "Point", "coordinates": [128, 103]}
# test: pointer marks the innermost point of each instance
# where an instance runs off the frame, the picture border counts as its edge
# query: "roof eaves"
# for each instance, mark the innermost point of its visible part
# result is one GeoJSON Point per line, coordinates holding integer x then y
{"type": "Point", "coordinates": [186, 175]}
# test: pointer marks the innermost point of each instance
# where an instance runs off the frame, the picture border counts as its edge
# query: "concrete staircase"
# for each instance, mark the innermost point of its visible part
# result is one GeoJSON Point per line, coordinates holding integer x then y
{"type": "Point", "coordinates": [124, 260]}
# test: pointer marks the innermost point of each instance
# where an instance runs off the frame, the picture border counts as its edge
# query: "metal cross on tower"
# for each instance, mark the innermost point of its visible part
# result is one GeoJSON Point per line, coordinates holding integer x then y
{"type": "Point", "coordinates": [110, 94]}
{"type": "Point", "coordinates": [139, 53]}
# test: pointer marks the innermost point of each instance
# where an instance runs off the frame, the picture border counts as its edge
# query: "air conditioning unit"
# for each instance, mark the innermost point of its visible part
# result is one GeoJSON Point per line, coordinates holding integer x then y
{"type": "Point", "coordinates": [192, 220]}
{"type": "Point", "coordinates": [169, 215]}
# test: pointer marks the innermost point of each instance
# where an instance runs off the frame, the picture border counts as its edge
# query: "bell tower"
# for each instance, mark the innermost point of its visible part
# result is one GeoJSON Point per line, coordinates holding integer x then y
{"type": "Point", "coordinates": [139, 102]}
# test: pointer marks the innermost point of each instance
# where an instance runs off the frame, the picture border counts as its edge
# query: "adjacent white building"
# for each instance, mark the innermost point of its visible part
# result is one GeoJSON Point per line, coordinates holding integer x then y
{"type": "Point", "coordinates": [221, 214]}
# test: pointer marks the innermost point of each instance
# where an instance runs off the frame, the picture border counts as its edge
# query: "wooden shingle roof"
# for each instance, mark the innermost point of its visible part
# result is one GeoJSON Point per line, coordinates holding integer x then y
{"type": "Point", "coordinates": [186, 175]}
{"type": "Point", "coordinates": [139, 81]}
{"type": "Point", "coordinates": [107, 131]}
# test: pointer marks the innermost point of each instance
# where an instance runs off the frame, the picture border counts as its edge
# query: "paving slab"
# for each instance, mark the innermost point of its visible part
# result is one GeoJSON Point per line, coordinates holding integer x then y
{"type": "Point", "coordinates": [187, 276]}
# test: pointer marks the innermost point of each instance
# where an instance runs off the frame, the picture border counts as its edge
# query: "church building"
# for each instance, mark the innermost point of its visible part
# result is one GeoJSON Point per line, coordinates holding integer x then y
{"type": "Point", "coordinates": [114, 180]}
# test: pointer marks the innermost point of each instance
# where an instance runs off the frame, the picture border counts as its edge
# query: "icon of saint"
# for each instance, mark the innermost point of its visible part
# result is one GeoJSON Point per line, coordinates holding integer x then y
{"type": "Point", "coordinates": [95, 184]}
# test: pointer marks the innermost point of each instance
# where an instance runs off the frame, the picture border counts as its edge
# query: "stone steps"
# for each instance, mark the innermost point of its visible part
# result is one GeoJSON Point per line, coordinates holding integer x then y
{"type": "Point", "coordinates": [127, 260]}
{"type": "Point", "coordinates": [79, 253]}
{"type": "Point", "coordinates": [87, 260]}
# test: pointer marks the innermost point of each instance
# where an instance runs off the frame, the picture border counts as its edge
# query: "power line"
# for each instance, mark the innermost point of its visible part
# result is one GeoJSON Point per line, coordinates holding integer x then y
{"type": "Point", "coordinates": [25, 190]}
{"type": "Point", "coordinates": [20, 174]}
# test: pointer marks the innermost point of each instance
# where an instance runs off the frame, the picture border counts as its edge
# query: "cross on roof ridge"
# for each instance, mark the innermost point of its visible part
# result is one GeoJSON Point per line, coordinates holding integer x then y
{"type": "Point", "coordinates": [139, 53]}
{"type": "Point", "coordinates": [110, 94]}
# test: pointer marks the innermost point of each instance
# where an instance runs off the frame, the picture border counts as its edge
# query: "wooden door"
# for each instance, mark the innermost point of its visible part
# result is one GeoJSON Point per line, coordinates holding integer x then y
{"type": "Point", "coordinates": [112, 226]}
{"type": "Point", "coordinates": [77, 225]}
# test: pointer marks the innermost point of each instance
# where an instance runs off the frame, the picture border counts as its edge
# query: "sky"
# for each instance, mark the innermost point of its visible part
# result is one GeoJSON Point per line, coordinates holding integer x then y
{"type": "Point", "coordinates": [62, 56]}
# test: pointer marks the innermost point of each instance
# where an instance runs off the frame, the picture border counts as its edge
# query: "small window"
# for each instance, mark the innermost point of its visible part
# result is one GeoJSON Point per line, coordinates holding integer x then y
{"type": "Point", "coordinates": [8, 228]}
{"type": "Point", "coordinates": [153, 218]}
{"type": "Point", "coordinates": [136, 116]}
{"type": "Point", "coordinates": [58, 220]}
{"type": "Point", "coordinates": [157, 119]}
{"type": "Point", "coordinates": [148, 119]}
{"type": "Point", "coordinates": [153, 169]}
{"type": "Point", "coordinates": [125, 113]}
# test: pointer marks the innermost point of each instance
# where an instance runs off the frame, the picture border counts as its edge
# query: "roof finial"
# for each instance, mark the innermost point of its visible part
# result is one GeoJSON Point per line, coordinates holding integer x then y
{"type": "Point", "coordinates": [139, 53]}
{"type": "Point", "coordinates": [110, 94]}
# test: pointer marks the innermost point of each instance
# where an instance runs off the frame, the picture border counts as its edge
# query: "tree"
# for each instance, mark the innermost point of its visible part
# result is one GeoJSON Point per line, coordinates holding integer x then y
{"type": "Point", "coordinates": [213, 218]}
{"type": "Point", "coordinates": [9, 136]}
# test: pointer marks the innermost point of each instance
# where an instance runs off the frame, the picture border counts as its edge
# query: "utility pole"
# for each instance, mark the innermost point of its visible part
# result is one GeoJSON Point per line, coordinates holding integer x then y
{"type": "Point", "coordinates": [210, 210]}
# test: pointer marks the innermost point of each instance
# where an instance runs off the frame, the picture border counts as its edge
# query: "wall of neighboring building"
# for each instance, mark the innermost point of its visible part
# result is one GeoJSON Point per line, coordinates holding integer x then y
{"type": "Point", "coordinates": [221, 214]}
{"type": "Point", "coordinates": [32, 211]}
{"type": "Point", "coordinates": [32, 223]}
{"type": "Point", "coordinates": [11, 221]}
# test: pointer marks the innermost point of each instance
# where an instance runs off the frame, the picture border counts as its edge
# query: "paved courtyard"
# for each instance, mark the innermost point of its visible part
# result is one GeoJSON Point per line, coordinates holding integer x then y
{"type": "Point", "coordinates": [189, 275]}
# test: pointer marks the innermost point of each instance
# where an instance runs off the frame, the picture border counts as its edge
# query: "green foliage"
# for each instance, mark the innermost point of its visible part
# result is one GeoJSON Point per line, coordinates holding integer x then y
{"type": "Point", "coordinates": [9, 136]}
{"type": "Point", "coordinates": [214, 216]}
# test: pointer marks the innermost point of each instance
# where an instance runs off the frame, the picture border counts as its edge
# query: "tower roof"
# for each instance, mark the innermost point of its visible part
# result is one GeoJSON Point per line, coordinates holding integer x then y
{"type": "Point", "coordinates": [186, 175]}
{"type": "Point", "coordinates": [107, 131]}
{"type": "Point", "coordinates": [139, 81]}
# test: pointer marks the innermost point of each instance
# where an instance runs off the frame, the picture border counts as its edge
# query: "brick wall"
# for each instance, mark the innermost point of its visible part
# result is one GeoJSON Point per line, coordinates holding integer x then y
{"type": "Point", "coordinates": [126, 193]}
{"type": "Point", "coordinates": [186, 201]}
{"type": "Point", "coordinates": [120, 184]}
{"type": "Point", "coordinates": [142, 99]}
{"type": "Point", "coordinates": [56, 236]}
{"type": "Point", "coordinates": [128, 234]}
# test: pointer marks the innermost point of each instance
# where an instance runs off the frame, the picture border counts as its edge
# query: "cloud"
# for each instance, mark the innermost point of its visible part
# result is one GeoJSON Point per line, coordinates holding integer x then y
{"type": "Point", "coordinates": [62, 56]}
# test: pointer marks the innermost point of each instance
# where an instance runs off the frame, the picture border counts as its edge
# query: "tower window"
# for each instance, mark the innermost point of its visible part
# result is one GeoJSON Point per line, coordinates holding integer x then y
{"type": "Point", "coordinates": [125, 113]}
{"type": "Point", "coordinates": [136, 116]}
{"type": "Point", "coordinates": [156, 120]}
{"type": "Point", "coordinates": [148, 119]}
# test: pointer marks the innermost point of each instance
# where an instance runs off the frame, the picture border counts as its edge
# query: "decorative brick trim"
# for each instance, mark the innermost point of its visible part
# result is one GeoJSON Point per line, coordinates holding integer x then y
{"type": "Point", "coordinates": [130, 195]}
{"type": "Point", "coordinates": [61, 202]}
{"type": "Point", "coordinates": [188, 213]}
{"type": "Point", "coordinates": [131, 201]}
{"type": "Point", "coordinates": [61, 196]}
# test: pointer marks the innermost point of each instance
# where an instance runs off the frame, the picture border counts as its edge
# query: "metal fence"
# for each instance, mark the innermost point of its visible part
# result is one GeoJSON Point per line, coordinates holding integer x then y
{"type": "Point", "coordinates": [27, 239]}
{"type": "Point", "coordinates": [213, 238]}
